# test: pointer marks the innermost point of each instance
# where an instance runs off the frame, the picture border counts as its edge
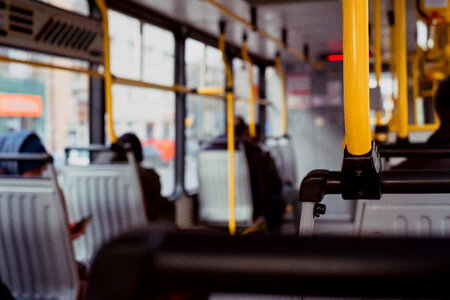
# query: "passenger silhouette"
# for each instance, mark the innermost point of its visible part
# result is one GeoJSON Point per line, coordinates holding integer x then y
{"type": "Point", "coordinates": [265, 181]}
{"type": "Point", "coordinates": [158, 207]}
{"type": "Point", "coordinates": [440, 138]}
{"type": "Point", "coordinates": [26, 141]}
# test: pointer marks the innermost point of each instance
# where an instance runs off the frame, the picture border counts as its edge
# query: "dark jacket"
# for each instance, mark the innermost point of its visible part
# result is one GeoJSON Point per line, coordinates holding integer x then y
{"type": "Point", "coordinates": [440, 138]}
{"type": "Point", "coordinates": [13, 143]}
{"type": "Point", "coordinates": [157, 206]}
{"type": "Point", "coordinates": [5, 293]}
{"type": "Point", "coordinates": [266, 184]}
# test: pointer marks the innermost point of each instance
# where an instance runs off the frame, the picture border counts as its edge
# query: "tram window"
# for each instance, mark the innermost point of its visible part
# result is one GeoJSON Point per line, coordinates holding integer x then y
{"type": "Point", "coordinates": [242, 88]}
{"type": "Point", "coordinates": [386, 88]}
{"type": "Point", "coordinates": [205, 116]}
{"type": "Point", "coordinates": [134, 109]}
{"type": "Point", "coordinates": [273, 92]}
{"type": "Point", "coordinates": [53, 103]}
{"type": "Point", "coordinates": [78, 6]}
{"type": "Point", "coordinates": [422, 35]}
{"type": "Point", "coordinates": [158, 49]}
{"type": "Point", "coordinates": [145, 52]}
{"type": "Point", "coordinates": [125, 40]}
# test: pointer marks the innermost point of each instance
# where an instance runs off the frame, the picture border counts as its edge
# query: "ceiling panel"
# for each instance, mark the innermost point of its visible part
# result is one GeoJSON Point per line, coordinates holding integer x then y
{"type": "Point", "coordinates": [317, 23]}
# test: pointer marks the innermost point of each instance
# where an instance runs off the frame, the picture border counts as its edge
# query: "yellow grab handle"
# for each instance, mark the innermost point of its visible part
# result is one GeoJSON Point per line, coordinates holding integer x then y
{"type": "Point", "coordinates": [251, 102]}
{"type": "Point", "coordinates": [108, 77]}
{"type": "Point", "coordinates": [280, 71]}
{"type": "Point", "coordinates": [400, 36]}
{"type": "Point", "coordinates": [230, 130]}
{"type": "Point", "coordinates": [356, 76]}
{"type": "Point", "coordinates": [377, 51]}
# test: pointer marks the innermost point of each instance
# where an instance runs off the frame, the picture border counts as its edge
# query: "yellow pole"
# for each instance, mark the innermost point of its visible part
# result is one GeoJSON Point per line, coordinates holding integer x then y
{"type": "Point", "coordinates": [393, 122]}
{"type": "Point", "coordinates": [50, 66]}
{"type": "Point", "coordinates": [230, 130]}
{"type": "Point", "coordinates": [400, 35]}
{"type": "Point", "coordinates": [251, 102]}
{"type": "Point", "coordinates": [415, 69]}
{"type": "Point", "coordinates": [279, 68]}
{"type": "Point", "coordinates": [435, 87]}
{"type": "Point", "coordinates": [377, 51]}
{"type": "Point", "coordinates": [108, 77]}
{"type": "Point", "coordinates": [392, 63]}
{"type": "Point", "coordinates": [356, 76]}
{"type": "Point", "coordinates": [210, 91]}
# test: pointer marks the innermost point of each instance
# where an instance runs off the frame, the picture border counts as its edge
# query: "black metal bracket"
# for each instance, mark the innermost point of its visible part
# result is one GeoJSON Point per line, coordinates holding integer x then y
{"type": "Point", "coordinates": [359, 179]}
{"type": "Point", "coordinates": [360, 175]}
{"type": "Point", "coordinates": [318, 183]}
{"type": "Point", "coordinates": [382, 129]}
{"type": "Point", "coordinates": [402, 141]}
{"type": "Point", "coordinates": [381, 134]}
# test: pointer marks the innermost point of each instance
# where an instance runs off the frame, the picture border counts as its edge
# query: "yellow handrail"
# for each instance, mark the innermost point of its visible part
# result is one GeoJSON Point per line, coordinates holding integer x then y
{"type": "Point", "coordinates": [400, 35]}
{"type": "Point", "coordinates": [356, 76]}
{"type": "Point", "coordinates": [415, 80]}
{"type": "Point", "coordinates": [210, 92]}
{"type": "Point", "coordinates": [424, 127]}
{"type": "Point", "coordinates": [377, 52]}
{"type": "Point", "coordinates": [230, 131]}
{"type": "Point", "coordinates": [107, 66]}
{"type": "Point", "coordinates": [280, 71]}
{"type": "Point", "coordinates": [264, 34]}
{"type": "Point", "coordinates": [51, 66]}
{"type": "Point", "coordinates": [251, 102]}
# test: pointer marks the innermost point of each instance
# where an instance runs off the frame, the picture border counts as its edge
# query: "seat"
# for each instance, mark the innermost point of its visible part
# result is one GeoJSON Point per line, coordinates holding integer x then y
{"type": "Point", "coordinates": [111, 194]}
{"type": "Point", "coordinates": [274, 149]}
{"type": "Point", "coordinates": [36, 255]}
{"type": "Point", "coordinates": [406, 215]}
{"type": "Point", "coordinates": [288, 157]}
{"type": "Point", "coordinates": [213, 188]}
{"type": "Point", "coordinates": [282, 152]}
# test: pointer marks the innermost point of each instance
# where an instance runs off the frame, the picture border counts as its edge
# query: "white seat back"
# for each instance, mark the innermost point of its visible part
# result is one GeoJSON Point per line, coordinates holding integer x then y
{"type": "Point", "coordinates": [36, 256]}
{"type": "Point", "coordinates": [213, 188]}
{"type": "Point", "coordinates": [289, 164]}
{"type": "Point", "coordinates": [406, 215]}
{"type": "Point", "coordinates": [111, 194]}
{"type": "Point", "coordinates": [283, 154]}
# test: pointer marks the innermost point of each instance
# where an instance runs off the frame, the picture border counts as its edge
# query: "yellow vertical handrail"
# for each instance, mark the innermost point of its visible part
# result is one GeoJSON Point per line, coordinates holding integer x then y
{"type": "Point", "coordinates": [251, 102]}
{"type": "Point", "coordinates": [230, 131]}
{"type": "Point", "coordinates": [415, 80]}
{"type": "Point", "coordinates": [437, 120]}
{"type": "Point", "coordinates": [392, 63]}
{"type": "Point", "coordinates": [392, 67]}
{"type": "Point", "coordinates": [279, 68]}
{"type": "Point", "coordinates": [401, 68]}
{"type": "Point", "coordinates": [356, 76]}
{"type": "Point", "coordinates": [377, 51]}
{"type": "Point", "coordinates": [107, 72]}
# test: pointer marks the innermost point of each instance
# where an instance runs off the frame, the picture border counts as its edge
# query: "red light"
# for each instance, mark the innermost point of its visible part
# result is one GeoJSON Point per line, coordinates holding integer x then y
{"type": "Point", "coordinates": [339, 57]}
{"type": "Point", "coordinates": [336, 57]}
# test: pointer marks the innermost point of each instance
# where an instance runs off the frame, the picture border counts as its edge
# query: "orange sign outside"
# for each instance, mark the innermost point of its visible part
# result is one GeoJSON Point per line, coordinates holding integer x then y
{"type": "Point", "coordinates": [17, 105]}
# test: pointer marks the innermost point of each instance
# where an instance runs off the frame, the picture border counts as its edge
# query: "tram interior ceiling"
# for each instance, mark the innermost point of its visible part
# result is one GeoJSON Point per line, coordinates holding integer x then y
{"type": "Point", "coordinates": [268, 136]}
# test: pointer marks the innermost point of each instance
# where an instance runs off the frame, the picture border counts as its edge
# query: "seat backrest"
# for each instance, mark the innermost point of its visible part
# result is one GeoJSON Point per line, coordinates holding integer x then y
{"type": "Point", "coordinates": [36, 256]}
{"type": "Point", "coordinates": [111, 194]}
{"type": "Point", "coordinates": [288, 157]}
{"type": "Point", "coordinates": [282, 152]}
{"type": "Point", "coordinates": [275, 151]}
{"type": "Point", "coordinates": [406, 215]}
{"type": "Point", "coordinates": [213, 188]}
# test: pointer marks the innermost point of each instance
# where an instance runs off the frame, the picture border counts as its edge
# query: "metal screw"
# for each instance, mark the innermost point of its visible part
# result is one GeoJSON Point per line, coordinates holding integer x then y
{"type": "Point", "coordinates": [319, 209]}
{"type": "Point", "coordinates": [360, 193]}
